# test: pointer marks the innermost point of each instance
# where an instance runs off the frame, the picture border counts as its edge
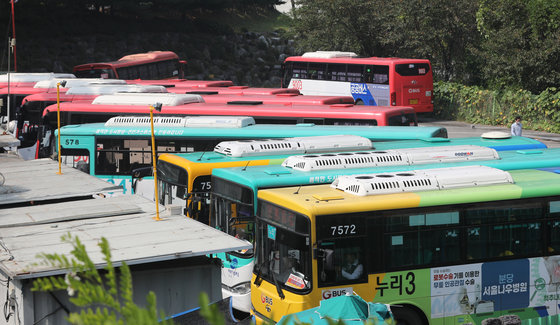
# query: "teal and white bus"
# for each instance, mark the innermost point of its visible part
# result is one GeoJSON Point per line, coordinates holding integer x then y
{"type": "Point", "coordinates": [112, 150]}
{"type": "Point", "coordinates": [185, 177]}
{"type": "Point", "coordinates": [234, 190]}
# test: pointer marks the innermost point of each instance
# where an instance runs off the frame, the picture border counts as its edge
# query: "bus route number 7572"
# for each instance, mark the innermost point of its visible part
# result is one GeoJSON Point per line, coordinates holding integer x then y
{"type": "Point", "coordinates": [343, 230]}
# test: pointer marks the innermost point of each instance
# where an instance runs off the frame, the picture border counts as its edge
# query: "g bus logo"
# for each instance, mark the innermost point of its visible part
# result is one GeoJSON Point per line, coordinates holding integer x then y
{"type": "Point", "coordinates": [331, 293]}
{"type": "Point", "coordinates": [297, 84]}
{"type": "Point", "coordinates": [266, 300]}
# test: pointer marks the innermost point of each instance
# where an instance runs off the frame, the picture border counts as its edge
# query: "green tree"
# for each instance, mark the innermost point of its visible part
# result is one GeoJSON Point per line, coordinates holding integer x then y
{"type": "Point", "coordinates": [88, 287]}
{"type": "Point", "coordinates": [443, 31]}
{"type": "Point", "coordinates": [343, 25]}
{"type": "Point", "coordinates": [520, 43]}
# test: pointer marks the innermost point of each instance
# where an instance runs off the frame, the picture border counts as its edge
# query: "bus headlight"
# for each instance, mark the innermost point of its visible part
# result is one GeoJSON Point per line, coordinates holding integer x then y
{"type": "Point", "coordinates": [242, 288]}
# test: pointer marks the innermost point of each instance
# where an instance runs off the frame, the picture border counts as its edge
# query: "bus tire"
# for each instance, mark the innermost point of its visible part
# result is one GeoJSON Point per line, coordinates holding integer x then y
{"type": "Point", "coordinates": [408, 316]}
{"type": "Point", "coordinates": [359, 102]}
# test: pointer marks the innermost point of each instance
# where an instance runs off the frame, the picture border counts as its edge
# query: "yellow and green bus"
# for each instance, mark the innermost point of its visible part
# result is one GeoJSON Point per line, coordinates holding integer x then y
{"type": "Point", "coordinates": [459, 245]}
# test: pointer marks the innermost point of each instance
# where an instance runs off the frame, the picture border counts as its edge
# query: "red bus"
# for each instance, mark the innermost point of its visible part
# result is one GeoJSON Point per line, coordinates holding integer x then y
{"type": "Point", "coordinates": [280, 99]}
{"type": "Point", "coordinates": [30, 119]}
{"type": "Point", "coordinates": [44, 83]}
{"type": "Point", "coordinates": [370, 81]}
{"type": "Point", "coordinates": [338, 114]}
{"type": "Point", "coordinates": [151, 65]}
{"type": "Point", "coordinates": [15, 95]}
{"type": "Point", "coordinates": [184, 83]}
{"type": "Point", "coordinates": [105, 107]}
{"type": "Point", "coordinates": [233, 90]}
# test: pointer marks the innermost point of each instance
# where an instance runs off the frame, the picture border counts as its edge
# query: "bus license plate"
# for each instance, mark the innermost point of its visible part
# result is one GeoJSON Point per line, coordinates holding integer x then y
{"type": "Point", "coordinates": [413, 101]}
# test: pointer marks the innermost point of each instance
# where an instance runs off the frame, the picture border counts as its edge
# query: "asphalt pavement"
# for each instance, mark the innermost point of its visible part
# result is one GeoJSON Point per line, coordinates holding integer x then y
{"type": "Point", "coordinates": [460, 130]}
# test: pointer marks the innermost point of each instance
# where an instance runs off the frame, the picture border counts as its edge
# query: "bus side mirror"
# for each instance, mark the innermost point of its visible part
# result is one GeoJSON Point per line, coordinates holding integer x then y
{"type": "Point", "coordinates": [142, 172]}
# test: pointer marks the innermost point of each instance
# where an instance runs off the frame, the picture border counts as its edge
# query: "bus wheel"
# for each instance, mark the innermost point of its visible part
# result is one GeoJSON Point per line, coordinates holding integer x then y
{"type": "Point", "coordinates": [408, 316]}
{"type": "Point", "coordinates": [359, 102]}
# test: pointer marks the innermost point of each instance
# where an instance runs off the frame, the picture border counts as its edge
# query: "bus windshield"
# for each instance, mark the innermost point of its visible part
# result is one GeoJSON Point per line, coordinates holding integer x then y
{"type": "Point", "coordinates": [232, 211]}
{"type": "Point", "coordinates": [172, 183]}
{"type": "Point", "coordinates": [283, 255]}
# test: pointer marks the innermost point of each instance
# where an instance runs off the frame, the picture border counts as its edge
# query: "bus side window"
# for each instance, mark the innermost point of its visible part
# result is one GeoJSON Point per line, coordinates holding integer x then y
{"type": "Point", "coordinates": [133, 72]}
{"type": "Point", "coordinates": [504, 231]}
{"type": "Point", "coordinates": [342, 261]}
{"type": "Point", "coordinates": [143, 71]}
{"type": "Point", "coordinates": [123, 73]}
{"type": "Point", "coordinates": [163, 70]}
{"type": "Point", "coordinates": [152, 71]}
{"type": "Point", "coordinates": [316, 71]}
{"type": "Point", "coordinates": [315, 121]}
{"type": "Point", "coordinates": [381, 74]}
{"type": "Point", "coordinates": [355, 73]}
{"type": "Point", "coordinates": [337, 72]}
{"type": "Point", "coordinates": [368, 74]}
{"type": "Point", "coordinates": [554, 228]}
{"type": "Point", "coordinates": [104, 164]}
{"type": "Point", "coordinates": [300, 70]}
{"type": "Point", "coordinates": [422, 239]}
{"type": "Point", "coordinates": [371, 122]}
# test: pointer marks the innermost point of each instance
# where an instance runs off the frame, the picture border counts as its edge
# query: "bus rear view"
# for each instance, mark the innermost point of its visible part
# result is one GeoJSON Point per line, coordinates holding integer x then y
{"type": "Point", "coordinates": [370, 81]}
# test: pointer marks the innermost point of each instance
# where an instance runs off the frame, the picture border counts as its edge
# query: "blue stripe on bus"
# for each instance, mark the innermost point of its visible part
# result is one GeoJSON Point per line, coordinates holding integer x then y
{"type": "Point", "coordinates": [519, 147]}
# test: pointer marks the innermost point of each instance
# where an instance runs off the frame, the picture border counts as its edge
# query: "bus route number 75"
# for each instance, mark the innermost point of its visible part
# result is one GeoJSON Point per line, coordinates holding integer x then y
{"type": "Point", "coordinates": [343, 230]}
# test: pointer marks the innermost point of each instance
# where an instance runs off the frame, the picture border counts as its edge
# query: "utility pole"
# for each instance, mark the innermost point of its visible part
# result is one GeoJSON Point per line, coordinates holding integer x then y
{"type": "Point", "coordinates": [13, 43]}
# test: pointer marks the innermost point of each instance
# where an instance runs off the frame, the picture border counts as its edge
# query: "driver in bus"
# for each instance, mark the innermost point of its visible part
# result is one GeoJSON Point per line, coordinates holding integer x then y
{"type": "Point", "coordinates": [353, 269]}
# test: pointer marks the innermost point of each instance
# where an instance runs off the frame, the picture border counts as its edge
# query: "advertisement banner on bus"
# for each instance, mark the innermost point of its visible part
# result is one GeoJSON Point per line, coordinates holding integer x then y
{"type": "Point", "coordinates": [496, 286]}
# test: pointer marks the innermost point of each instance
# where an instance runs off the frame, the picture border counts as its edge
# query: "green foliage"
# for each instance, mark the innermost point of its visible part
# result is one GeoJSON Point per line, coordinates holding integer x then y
{"type": "Point", "coordinates": [87, 287]}
{"type": "Point", "coordinates": [344, 25]}
{"type": "Point", "coordinates": [520, 47]}
{"type": "Point", "coordinates": [443, 31]}
{"type": "Point", "coordinates": [210, 313]}
{"type": "Point", "coordinates": [500, 43]}
{"type": "Point", "coordinates": [476, 105]}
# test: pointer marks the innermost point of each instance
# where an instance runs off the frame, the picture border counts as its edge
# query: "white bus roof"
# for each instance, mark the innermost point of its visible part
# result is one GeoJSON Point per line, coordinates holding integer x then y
{"type": "Point", "coordinates": [51, 83]}
{"type": "Point", "coordinates": [421, 180]}
{"type": "Point", "coordinates": [113, 89]}
{"type": "Point", "coordinates": [394, 157]}
{"type": "Point", "coordinates": [298, 145]}
{"type": "Point", "coordinates": [34, 77]}
{"type": "Point", "coordinates": [186, 121]}
{"type": "Point", "coordinates": [148, 99]}
{"type": "Point", "coordinates": [329, 54]}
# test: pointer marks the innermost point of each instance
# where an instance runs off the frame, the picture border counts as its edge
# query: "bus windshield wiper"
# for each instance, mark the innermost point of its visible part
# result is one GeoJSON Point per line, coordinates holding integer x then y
{"type": "Point", "coordinates": [278, 287]}
{"type": "Point", "coordinates": [258, 276]}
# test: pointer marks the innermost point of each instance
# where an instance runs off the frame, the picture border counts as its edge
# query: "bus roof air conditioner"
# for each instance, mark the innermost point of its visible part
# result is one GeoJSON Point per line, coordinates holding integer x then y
{"type": "Point", "coordinates": [184, 122]}
{"type": "Point", "coordinates": [300, 145]}
{"type": "Point", "coordinates": [51, 83]}
{"type": "Point", "coordinates": [167, 99]}
{"type": "Point", "coordinates": [398, 157]}
{"type": "Point", "coordinates": [329, 54]}
{"type": "Point", "coordinates": [422, 180]}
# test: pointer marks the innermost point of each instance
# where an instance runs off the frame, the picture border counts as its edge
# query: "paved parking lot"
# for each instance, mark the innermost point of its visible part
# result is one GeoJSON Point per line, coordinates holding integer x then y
{"type": "Point", "coordinates": [460, 130]}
